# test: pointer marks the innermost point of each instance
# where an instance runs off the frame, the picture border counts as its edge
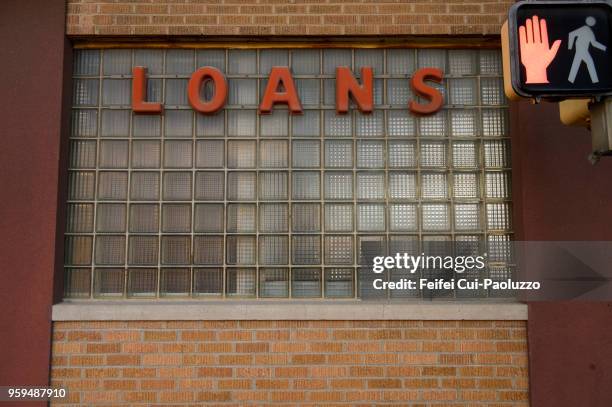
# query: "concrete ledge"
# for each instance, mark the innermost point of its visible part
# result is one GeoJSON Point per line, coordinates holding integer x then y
{"type": "Point", "coordinates": [285, 310]}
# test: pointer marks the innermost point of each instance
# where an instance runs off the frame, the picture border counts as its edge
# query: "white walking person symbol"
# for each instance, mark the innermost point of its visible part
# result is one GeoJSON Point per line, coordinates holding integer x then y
{"type": "Point", "coordinates": [584, 38]}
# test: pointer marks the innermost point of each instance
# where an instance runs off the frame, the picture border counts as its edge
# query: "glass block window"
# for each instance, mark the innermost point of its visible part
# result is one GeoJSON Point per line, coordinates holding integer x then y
{"type": "Point", "coordinates": [242, 205]}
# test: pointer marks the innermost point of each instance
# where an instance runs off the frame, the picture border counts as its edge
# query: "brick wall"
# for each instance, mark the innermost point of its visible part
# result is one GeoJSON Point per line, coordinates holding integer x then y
{"type": "Point", "coordinates": [285, 17]}
{"type": "Point", "coordinates": [438, 363]}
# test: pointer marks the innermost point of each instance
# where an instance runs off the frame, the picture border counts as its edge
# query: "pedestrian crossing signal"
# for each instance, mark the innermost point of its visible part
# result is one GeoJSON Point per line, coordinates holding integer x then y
{"type": "Point", "coordinates": [557, 50]}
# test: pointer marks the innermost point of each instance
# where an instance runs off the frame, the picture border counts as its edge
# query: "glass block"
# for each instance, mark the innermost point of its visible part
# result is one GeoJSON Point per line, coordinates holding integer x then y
{"type": "Point", "coordinates": [339, 217]}
{"type": "Point", "coordinates": [142, 282]}
{"type": "Point", "coordinates": [176, 218]}
{"type": "Point", "coordinates": [329, 93]}
{"type": "Point", "coordinates": [306, 249]}
{"type": "Point", "coordinates": [402, 185]}
{"type": "Point", "coordinates": [339, 282]}
{"type": "Point", "coordinates": [79, 218]}
{"type": "Point", "coordinates": [143, 250]}
{"type": "Point", "coordinates": [116, 92]}
{"type": "Point", "coordinates": [273, 250]}
{"type": "Point", "coordinates": [462, 62]}
{"type": "Point", "coordinates": [178, 154]}
{"type": "Point", "coordinates": [241, 153]}
{"type": "Point", "coordinates": [144, 186]}
{"type": "Point", "coordinates": [464, 122]}
{"type": "Point", "coordinates": [81, 185]}
{"type": "Point", "coordinates": [434, 185]}
{"type": "Point", "coordinates": [112, 185]}
{"type": "Point", "coordinates": [275, 124]}
{"type": "Point", "coordinates": [84, 123]}
{"type": "Point", "coordinates": [432, 58]}
{"type": "Point", "coordinates": [465, 185]}
{"type": "Point", "coordinates": [465, 154]}
{"type": "Point", "coordinates": [498, 216]}
{"type": "Point", "coordinates": [337, 125]}
{"type": "Point", "coordinates": [241, 218]}
{"type": "Point", "coordinates": [273, 185]}
{"type": "Point", "coordinates": [210, 125]}
{"type": "Point", "coordinates": [433, 154]}
{"type": "Point", "coordinates": [241, 186]}
{"type": "Point", "coordinates": [242, 92]}
{"type": "Point", "coordinates": [305, 282]}
{"type": "Point", "coordinates": [209, 186]}
{"type": "Point", "coordinates": [399, 92]}
{"type": "Point", "coordinates": [117, 62]}
{"type": "Point", "coordinates": [496, 154]}
{"type": "Point", "coordinates": [242, 61]}
{"type": "Point", "coordinates": [306, 185]}
{"type": "Point", "coordinates": [179, 61]}
{"type": "Point", "coordinates": [154, 91]}
{"type": "Point", "coordinates": [77, 282]}
{"type": "Point", "coordinates": [400, 61]}
{"type": "Point", "coordinates": [241, 249]}
{"type": "Point", "coordinates": [492, 91]}
{"type": "Point", "coordinates": [273, 283]}
{"type": "Point", "coordinates": [370, 125]}
{"type": "Point", "coordinates": [175, 282]}
{"type": "Point", "coordinates": [86, 62]}
{"type": "Point", "coordinates": [153, 59]}
{"type": "Point", "coordinates": [306, 154]}
{"type": "Point", "coordinates": [273, 154]}
{"type": "Point", "coordinates": [108, 282]}
{"type": "Point", "coordinates": [176, 92]}
{"type": "Point", "coordinates": [78, 250]}
{"type": "Point", "coordinates": [208, 281]}
{"type": "Point", "coordinates": [467, 216]}
{"type": "Point", "coordinates": [401, 154]}
{"type": "Point", "coordinates": [145, 154]}
{"type": "Point", "coordinates": [309, 91]}
{"type": "Point", "coordinates": [305, 61]}
{"type": "Point", "coordinates": [370, 246]}
{"type": "Point", "coordinates": [370, 154]}
{"type": "Point", "coordinates": [146, 126]}
{"type": "Point", "coordinates": [308, 124]}
{"type": "Point", "coordinates": [115, 123]}
{"type": "Point", "coordinates": [404, 244]}
{"type": "Point", "coordinates": [338, 154]}
{"type": "Point", "coordinates": [269, 58]}
{"type": "Point", "coordinates": [463, 91]}
{"type": "Point", "coordinates": [210, 153]}
{"type": "Point", "coordinates": [497, 185]}
{"type": "Point", "coordinates": [373, 58]}
{"type": "Point", "coordinates": [178, 123]}
{"type": "Point", "coordinates": [209, 218]}
{"type": "Point", "coordinates": [370, 217]}
{"type": "Point", "coordinates": [306, 217]}
{"type": "Point", "coordinates": [338, 185]}
{"type": "Point", "coordinates": [339, 249]}
{"type": "Point", "coordinates": [177, 186]}
{"type": "Point", "coordinates": [144, 218]}
{"type": "Point", "coordinates": [113, 154]}
{"type": "Point", "coordinates": [85, 92]}
{"type": "Point", "coordinates": [435, 217]}
{"type": "Point", "coordinates": [494, 122]}
{"type": "Point", "coordinates": [110, 217]}
{"type": "Point", "coordinates": [335, 57]}
{"type": "Point", "coordinates": [208, 250]}
{"type": "Point", "coordinates": [110, 250]}
{"type": "Point", "coordinates": [371, 185]}
{"type": "Point", "coordinates": [490, 62]}
{"type": "Point", "coordinates": [400, 123]}
{"type": "Point", "coordinates": [273, 218]}
{"type": "Point", "coordinates": [82, 154]}
{"type": "Point", "coordinates": [211, 57]}
{"type": "Point", "coordinates": [176, 250]}
{"type": "Point", "coordinates": [500, 248]}
{"type": "Point", "coordinates": [241, 282]}
{"type": "Point", "coordinates": [241, 123]}
{"type": "Point", "coordinates": [434, 125]}
{"type": "Point", "coordinates": [403, 217]}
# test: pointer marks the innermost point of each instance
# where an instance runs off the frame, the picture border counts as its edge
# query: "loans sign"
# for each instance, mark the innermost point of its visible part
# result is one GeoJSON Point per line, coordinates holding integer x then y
{"type": "Point", "coordinates": [560, 49]}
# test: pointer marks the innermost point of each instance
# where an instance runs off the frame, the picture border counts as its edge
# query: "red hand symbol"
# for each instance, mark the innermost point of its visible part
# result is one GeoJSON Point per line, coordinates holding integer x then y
{"type": "Point", "coordinates": [535, 54]}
